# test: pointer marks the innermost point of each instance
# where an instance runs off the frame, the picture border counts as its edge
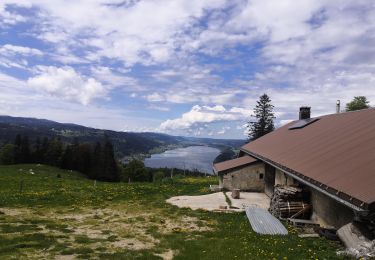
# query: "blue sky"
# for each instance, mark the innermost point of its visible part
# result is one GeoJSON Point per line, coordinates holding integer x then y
{"type": "Point", "coordinates": [193, 68]}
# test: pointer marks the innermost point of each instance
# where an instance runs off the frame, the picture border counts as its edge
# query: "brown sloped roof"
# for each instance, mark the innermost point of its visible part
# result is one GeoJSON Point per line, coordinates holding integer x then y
{"type": "Point", "coordinates": [223, 167]}
{"type": "Point", "coordinates": [336, 152]}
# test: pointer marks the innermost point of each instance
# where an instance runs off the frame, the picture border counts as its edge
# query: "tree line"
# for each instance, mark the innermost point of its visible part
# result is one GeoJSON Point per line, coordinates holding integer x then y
{"type": "Point", "coordinates": [95, 161]}
{"type": "Point", "coordinates": [135, 171]}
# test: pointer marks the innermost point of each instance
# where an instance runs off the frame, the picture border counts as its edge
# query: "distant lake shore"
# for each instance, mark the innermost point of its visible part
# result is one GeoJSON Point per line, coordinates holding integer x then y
{"type": "Point", "coordinates": [190, 158]}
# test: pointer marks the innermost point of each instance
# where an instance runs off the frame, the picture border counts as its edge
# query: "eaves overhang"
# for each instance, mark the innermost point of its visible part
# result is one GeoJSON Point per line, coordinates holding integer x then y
{"type": "Point", "coordinates": [233, 168]}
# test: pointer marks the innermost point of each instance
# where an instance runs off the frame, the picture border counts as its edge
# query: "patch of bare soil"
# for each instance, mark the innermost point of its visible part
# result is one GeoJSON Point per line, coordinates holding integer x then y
{"type": "Point", "coordinates": [113, 229]}
{"type": "Point", "coordinates": [166, 255]}
{"type": "Point", "coordinates": [185, 224]}
{"type": "Point", "coordinates": [88, 231]}
{"type": "Point", "coordinates": [75, 217]}
{"type": "Point", "coordinates": [133, 244]}
{"type": "Point", "coordinates": [65, 257]}
{"type": "Point", "coordinates": [14, 211]}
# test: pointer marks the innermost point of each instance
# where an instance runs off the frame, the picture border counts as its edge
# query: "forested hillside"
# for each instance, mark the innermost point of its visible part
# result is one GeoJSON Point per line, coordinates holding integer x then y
{"type": "Point", "coordinates": [125, 143]}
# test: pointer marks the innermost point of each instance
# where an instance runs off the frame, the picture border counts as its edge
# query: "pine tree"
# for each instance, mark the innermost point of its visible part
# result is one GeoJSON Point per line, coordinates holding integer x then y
{"type": "Point", "coordinates": [54, 153]}
{"type": "Point", "coordinates": [74, 163]}
{"type": "Point", "coordinates": [22, 149]}
{"type": "Point", "coordinates": [263, 113]}
{"type": "Point", "coordinates": [111, 172]}
{"type": "Point", "coordinates": [97, 162]}
{"type": "Point", "coordinates": [17, 149]}
{"type": "Point", "coordinates": [84, 159]}
{"type": "Point", "coordinates": [43, 150]}
{"type": "Point", "coordinates": [25, 150]}
{"type": "Point", "coordinates": [7, 154]}
{"type": "Point", "coordinates": [37, 155]}
{"type": "Point", "coordinates": [67, 158]}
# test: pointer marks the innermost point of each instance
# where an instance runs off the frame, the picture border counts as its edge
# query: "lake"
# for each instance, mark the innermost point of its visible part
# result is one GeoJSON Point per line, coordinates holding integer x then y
{"type": "Point", "coordinates": [191, 157]}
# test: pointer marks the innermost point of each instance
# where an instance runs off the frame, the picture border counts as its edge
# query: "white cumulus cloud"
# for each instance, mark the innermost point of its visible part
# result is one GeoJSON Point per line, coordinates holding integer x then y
{"type": "Point", "coordinates": [205, 114]}
{"type": "Point", "coordinates": [67, 84]}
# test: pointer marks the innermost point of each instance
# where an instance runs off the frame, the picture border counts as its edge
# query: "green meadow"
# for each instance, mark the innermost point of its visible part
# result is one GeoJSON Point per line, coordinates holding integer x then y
{"type": "Point", "coordinates": [48, 213]}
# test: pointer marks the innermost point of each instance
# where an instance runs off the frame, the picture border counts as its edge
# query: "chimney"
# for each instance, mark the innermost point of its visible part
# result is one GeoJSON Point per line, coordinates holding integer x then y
{"type": "Point", "coordinates": [338, 107]}
{"type": "Point", "coordinates": [304, 113]}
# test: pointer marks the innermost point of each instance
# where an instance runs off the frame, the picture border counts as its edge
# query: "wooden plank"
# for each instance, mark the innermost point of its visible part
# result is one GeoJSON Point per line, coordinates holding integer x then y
{"type": "Point", "coordinates": [264, 223]}
{"type": "Point", "coordinates": [300, 212]}
{"type": "Point", "coordinates": [308, 235]}
{"type": "Point", "coordinates": [302, 222]}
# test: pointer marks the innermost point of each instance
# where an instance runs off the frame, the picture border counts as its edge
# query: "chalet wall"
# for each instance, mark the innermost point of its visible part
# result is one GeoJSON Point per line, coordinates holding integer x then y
{"type": "Point", "coordinates": [283, 179]}
{"type": "Point", "coordinates": [250, 178]}
{"type": "Point", "coordinates": [328, 211]}
{"type": "Point", "coordinates": [220, 180]}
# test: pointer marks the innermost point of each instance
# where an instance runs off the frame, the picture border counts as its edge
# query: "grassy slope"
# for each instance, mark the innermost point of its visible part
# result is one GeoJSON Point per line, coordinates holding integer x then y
{"type": "Point", "coordinates": [70, 216]}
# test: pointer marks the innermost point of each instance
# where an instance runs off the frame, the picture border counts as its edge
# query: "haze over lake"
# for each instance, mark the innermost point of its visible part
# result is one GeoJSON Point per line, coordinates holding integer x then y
{"type": "Point", "coordinates": [191, 157]}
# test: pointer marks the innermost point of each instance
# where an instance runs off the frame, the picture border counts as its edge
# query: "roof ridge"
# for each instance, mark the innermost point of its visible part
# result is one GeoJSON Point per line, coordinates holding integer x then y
{"type": "Point", "coordinates": [333, 114]}
{"type": "Point", "coordinates": [346, 112]}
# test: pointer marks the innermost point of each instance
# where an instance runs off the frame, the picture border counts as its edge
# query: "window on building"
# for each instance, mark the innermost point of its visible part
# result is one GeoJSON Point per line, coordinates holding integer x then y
{"type": "Point", "coordinates": [261, 176]}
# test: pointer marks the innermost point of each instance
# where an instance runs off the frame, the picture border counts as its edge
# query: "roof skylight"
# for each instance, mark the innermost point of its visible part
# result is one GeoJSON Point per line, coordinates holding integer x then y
{"type": "Point", "coordinates": [303, 123]}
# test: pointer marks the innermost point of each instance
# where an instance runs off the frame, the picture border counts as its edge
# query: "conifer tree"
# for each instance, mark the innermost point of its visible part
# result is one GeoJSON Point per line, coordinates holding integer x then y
{"type": "Point", "coordinates": [37, 155]}
{"type": "Point", "coordinates": [22, 149]}
{"type": "Point", "coordinates": [97, 164]}
{"type": "Point", "coordinates": [84, 159]}
{"type": "Point", "coordinates": [7, 154]}
{"type": "Point", "coordinates": [25, 154]}
{"type": "Point", "coordinates": [54, 152]}
{"type": "Point", "coordinates": [110, 172]}
{"type": "Point", "coordinates": [43, 150]}
{"type": "Point", "coordinates": [17, 149]}
{"type": "Point", "coordinates": [264, 116]}
{"type": "Point", "coordinates": [67, 158]}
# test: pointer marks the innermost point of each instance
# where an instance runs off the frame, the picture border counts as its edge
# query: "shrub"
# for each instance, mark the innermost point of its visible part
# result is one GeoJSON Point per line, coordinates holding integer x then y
{"type": "Point", "coordinates": [158, 176]}
{"type": "Point", "coordinates": [7, 154]}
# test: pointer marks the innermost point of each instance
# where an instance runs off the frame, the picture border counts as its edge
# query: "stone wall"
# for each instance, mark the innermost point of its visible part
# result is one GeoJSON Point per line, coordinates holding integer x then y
{"type": "Point", "coordinates": [262, 177]}
{"type": "Point", "coordinates": [328, 211]}
{"type": "Point", "coordinates": [249, 178]}
{"type": "Point", "coordinates": [283, 179]}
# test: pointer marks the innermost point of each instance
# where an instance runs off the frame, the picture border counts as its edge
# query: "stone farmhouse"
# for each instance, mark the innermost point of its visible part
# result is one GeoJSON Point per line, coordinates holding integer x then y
{"type": "Point", "coordinates": [332, 157]}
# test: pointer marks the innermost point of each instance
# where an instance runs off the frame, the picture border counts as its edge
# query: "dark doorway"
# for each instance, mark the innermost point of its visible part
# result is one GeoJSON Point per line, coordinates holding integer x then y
{"type": "Point", "coordinates": [269, 180]}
